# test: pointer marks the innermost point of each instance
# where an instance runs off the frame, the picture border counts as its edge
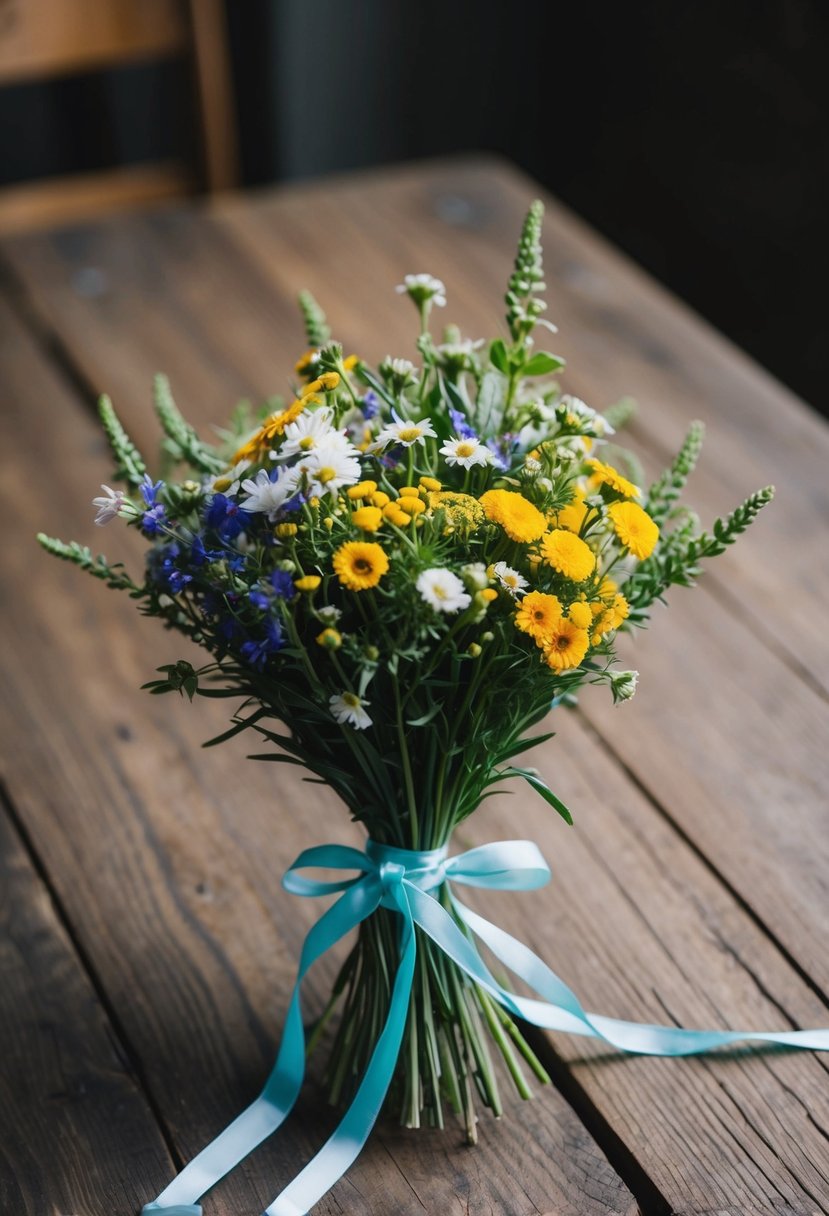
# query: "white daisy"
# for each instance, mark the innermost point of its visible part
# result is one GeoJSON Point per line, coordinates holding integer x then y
{"type": "Point", "coordinates": [109, 507]}
{"type": "Point", "coordinates": [266, 495]}
{"type": "Point", "coordinates": [330, 466]}
{"type": "Point", "coordinates": [465, 452]}
{"type": "Point", "coordinates": [230, 482]}
{"type": "Point", "coordinates": [575, 405]}
{"type": "Point", "coordinates": [422, 287]}
{"type": "Point", "coordinates": [404, 432]}
{"type": "Point", "coordinates": [311, 428]}
{"type": "Point", "coordinates": [348, 708]}
{"type": "Point", "coordinates": [514, 582]}
{"type": "Point", "coordinates": [442, 590]}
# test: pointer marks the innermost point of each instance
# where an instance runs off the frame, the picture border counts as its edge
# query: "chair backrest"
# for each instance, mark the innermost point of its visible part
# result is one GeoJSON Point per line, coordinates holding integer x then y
{"type": "Point", "coordinates": [45, 39]}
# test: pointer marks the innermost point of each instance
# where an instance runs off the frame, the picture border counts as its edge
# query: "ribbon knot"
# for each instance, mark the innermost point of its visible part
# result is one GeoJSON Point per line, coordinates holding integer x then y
{"type": "Point", "coordinates": [404, 879]}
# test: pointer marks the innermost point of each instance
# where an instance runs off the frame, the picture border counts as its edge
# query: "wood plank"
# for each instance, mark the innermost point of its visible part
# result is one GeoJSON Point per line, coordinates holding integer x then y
{"type": "Point", "coordinates": [160, 871]}
{"type": "Point", "coordinates": [76, 1132]}
{"type": "Point", "coordinates": [42, 38]}
{"type": "Point", "coordinates": [681, 953]}
{"type": "Point", "coordinates": [82, 196]}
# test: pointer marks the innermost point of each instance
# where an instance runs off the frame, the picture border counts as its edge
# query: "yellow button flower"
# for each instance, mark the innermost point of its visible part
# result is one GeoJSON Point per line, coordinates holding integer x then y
{"type": "Point", "coordinates": [634, 528]}
{"type": "Point", "coordinates": [568, 554]}
{"type": "Point", "coordinates": [367, 518]}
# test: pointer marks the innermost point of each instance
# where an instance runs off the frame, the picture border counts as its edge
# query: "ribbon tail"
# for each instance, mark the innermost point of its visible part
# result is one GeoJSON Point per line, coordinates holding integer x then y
{"type": "Point", "coordinates": [346, 1143]}
{"type": "Point", "coordinates": [561, 1009]}
{"type": "Point", "coordinates": [271, 1108]}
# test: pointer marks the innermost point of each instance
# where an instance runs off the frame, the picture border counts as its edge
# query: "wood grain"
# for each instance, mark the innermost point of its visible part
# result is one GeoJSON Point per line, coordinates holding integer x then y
{"type": "Point", "coordinates": [159, 872]}
{"type": "Point", "coordinates": [637, 922]}
{"type": "Point", "coordinates": [77, 1132]}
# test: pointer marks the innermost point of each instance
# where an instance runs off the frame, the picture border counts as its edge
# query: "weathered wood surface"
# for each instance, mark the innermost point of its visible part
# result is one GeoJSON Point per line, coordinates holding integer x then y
{"type": "Point", "coordinates": [693, 888]}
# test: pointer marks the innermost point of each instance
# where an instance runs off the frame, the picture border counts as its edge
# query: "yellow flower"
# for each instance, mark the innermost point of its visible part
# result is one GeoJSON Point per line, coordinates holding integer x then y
{"type": "Point", "coordinates": [568, 554]}
{"type": "Point", "coordinates": [580, 614]}
{"type": "Point", "coordinates": [363, 489]}
{"type": "Point", "coordinates": [331, 639]}
{"type": "Point", "coordinates": [263, 440]}
{"type": "Point", "coordinates": [565, 645]}
{"type": "Point", "coordinates": [459, 509]}
{"type": "Point", "coordinates": [572, 516]}
{"type": "Point", "coordinates": [537, 614]}
{"type": "Point", "coordinates": [634, 527]}
{"type": "Point", "coordinates": [409, 492]}
{"type": "Point", "coordinates": [379, 498]}
{"type": "Point", "coordinates": [367, 518]}
{"type": "Point", "coordinates": [304, 364]}
{"type": "Point", "coordinates": [393, 513]}
{"type": "Point", "coordinates": [410, 504]}
{"type": "Point", "coordinates": [284, 531]}
{"type": "Point", "coordinates": [327, 381]}
{"type": "Point", "coordinates": [308, 582]}
{"type": "Point", "coordinates": [360, 564]}
{"type": "Point", "coordinates": [612, 616]}
{"type": "Point", "coordinates": [350, 362]}
{"type": "Point", "coordinates": [488, 595]}
{"type": "Point", "coordinates": [519, 518]}
{"type": "Point", "coordinates": [605, 474]}
{"type": "Point", "coordinates": [430, 483]}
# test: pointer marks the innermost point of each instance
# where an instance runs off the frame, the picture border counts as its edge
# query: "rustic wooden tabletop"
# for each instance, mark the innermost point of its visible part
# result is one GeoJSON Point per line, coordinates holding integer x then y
{"type": "Point", "coordinates": [147, 950]}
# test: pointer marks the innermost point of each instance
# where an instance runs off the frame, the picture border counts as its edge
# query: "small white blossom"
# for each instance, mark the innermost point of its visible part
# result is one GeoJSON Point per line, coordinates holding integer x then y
{"type": "Point", "coordinates": [348, 708]}
{"type": "Point", "coordinates": [109, 507]}
{"type": "Point", "coordinates": [514, 582]}
{"type": "Point", "coordinates": [462, 349]}
{"type": "Point", "coordinates": [329, 615]}
{"type": "Point", "coordinates": [310, 429]}
{"type": "Point", "coordinates": [329, 467]}
{"type": "Point", "coordinates": [423, 287]}
{"type": "Point", "coordinates": [576, 406]}
{"type": "Point", "coordinates": [266, 495]}
{"type": "Point", "coordinates": [475, 576]}
{"type": "Point", "coordinates": [623, 685]}
{"type": "Point", "coordinates": [465, 452]}
{"type": "Point", "coordinates": [442, 590]}
{"type": "Point", "coordinates": [404, 432]}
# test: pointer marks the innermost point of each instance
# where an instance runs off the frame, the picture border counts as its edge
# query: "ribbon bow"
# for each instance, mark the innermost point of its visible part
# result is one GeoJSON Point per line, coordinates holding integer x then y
{"type": "Point", "coordinates": [403, 879]}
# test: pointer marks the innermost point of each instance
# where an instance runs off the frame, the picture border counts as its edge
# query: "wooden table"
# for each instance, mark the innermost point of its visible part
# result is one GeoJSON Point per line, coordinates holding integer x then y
{"type": "Point", "coordinates": [147, 948]}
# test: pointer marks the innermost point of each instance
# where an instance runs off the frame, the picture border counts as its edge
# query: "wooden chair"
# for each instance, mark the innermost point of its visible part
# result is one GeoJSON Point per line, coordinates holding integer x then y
{"type": "Point", "coordinates": [44, 39]}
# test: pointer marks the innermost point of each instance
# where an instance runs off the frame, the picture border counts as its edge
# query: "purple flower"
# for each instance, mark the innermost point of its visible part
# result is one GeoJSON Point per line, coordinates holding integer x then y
{"type": "Point", "coordinates": [283, 584]}
{"type": "Point", "coordinates": [370, 404]}
{"type": "Point", "coordinates": [154, 519]}
{"type": "Point", "coordinates": [225, 516]}
{"type": "Point", "coordinates": [149, 490]}
{"type": "Point", "coordinates": [462, 428]}
{"type": "Point", "coordinates": [260, 599]}
{"type": "Point", "coordinates": [256, 652]}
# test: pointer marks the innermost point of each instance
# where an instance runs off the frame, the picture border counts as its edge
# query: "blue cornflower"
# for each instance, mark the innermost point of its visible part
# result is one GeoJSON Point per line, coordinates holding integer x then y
{"type": "Point", "coordinates": [154, 519]}
{"type": "Point", "coordinates": [259, 598]}
{"type": "Point", "coordinates": [283, 584]}
{"type": "Point", "coordinates": [295, 503]}
{"type": "Point", "coordinates": [225, 516]}
{"type": "Point", "coordinates": [501, 449]}
{"type": "Point", "coordinates": [149, 490]}
{"type": "Point", "coordinates": [462, 428]}
{"type": "Point", "coordinates": [370, 404]}
{"type": "Point", "coordinates": [256, 652]}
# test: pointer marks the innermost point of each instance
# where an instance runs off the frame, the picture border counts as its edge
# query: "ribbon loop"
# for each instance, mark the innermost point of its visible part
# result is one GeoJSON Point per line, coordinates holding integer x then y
{"type": "Point", "coordinates": [403, 880]}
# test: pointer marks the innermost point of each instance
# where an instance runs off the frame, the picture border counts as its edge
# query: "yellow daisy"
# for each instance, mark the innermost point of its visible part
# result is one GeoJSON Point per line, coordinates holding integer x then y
{"type": "Point", "coordinates": [580, 614]}
{"type": "Point", "coordinates": [572, 516]}
{"type": "Point", "coordinates": [568, 554]}
{"type": "Point", "coordinates": [537, 614]}
{"type": "Point", "coordinates": [634, 528]}
{"type": "Point", "coordinates": [605, 474]}
{"type": "Point", "coordinates": [565, 645]}
{"type": "Point", "coordinates": [360, 564]}
{"type": "Point", "coordinates": [262, 441]}
{"type": "Point", "coordinates": [367, 518]}
{"type": "Point", "coordinates": [519, 518]}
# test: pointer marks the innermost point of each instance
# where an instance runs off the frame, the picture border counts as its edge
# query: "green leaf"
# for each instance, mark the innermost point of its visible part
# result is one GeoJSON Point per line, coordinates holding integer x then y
{"type": "Point", "coordinates": [523, 745]}
{"type": "Point", "coordinates": [498, 356]}
{"type": "Point", "coordinates": [541, 788]}
{"type": "Point", "coordinates": [542, 363]}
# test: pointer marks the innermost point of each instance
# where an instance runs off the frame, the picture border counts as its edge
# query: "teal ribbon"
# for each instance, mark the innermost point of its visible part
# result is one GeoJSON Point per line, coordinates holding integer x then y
{"type": "Point", "coordinates": [403, 880]}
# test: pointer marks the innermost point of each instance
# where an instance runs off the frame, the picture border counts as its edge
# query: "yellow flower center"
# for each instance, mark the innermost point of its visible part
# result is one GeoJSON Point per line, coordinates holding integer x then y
{"type": "Point", "coordinates": [409, 434]}
{"type": "Point", "coordinates": [352, 700]}
{"type": "Point", "coordinates": [306, 443]}
{"type": "Point", "coordinates": [326, 474]}
{"type": "Point", "coordinates": [465, 449]}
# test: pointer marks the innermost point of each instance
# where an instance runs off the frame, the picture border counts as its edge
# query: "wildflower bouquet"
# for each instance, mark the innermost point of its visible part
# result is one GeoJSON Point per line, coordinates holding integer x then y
{"type": "Point", "coordinates": [399, 571]}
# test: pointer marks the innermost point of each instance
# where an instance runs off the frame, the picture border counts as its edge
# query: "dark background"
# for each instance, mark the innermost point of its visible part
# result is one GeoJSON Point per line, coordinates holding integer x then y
{"type": "Point", "coordinates": [694, 135]}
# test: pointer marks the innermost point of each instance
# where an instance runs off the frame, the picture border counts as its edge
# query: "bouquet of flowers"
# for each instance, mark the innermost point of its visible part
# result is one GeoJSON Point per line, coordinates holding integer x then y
{"type": "Point", "coordinates": [400, 571]}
